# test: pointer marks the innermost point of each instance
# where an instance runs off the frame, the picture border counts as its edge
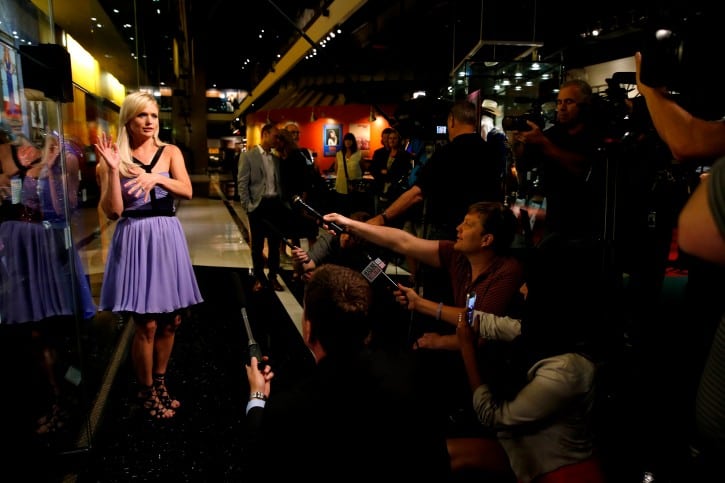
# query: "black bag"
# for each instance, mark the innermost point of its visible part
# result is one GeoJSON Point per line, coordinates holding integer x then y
{"type": "Point", "coordinates": [359, 185]}
{"type": "Point", "coordinates": [396, 189]}
{"type": "Point", "coordinates": [360, 191]}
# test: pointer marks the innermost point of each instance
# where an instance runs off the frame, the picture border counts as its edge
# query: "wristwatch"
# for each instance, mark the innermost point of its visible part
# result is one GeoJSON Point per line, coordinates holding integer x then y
{"type": "Point", "coordinates": [258, 395]}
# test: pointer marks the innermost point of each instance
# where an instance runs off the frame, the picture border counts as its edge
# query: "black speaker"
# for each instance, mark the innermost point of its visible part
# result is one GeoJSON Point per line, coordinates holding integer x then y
{"type": "Point", "coordinates": [46, 68]}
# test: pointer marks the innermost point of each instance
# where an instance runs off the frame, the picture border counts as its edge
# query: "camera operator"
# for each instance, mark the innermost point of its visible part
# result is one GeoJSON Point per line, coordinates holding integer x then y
{"type": "Point", "coordinates": [566, 155]}
{"type": "Point", "coordinates": [701, 234]}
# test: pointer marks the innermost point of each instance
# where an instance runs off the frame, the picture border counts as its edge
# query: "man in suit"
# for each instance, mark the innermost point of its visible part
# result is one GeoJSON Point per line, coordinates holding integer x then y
{"type": "Point", "coordinates": [260, 193]}
{"type": "Point", "coordinates": [358, 414]}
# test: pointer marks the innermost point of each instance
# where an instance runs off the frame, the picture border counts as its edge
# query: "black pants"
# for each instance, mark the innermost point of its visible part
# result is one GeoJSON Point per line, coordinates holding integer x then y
{"type": "Point", "coordinates": [266, 222]}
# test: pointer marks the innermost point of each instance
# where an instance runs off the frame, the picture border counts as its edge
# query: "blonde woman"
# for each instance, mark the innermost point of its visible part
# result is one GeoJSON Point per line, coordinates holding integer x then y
{"type": "Point", "coordinates": [148, 270]}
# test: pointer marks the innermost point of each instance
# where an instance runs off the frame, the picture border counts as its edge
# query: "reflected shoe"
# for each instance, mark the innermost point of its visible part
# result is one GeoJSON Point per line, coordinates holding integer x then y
{"type": "Point", "coordinates": [258, 286]}
{"type": "Point", "coordinates": [276, 285]}
{"type": "Point", "coordinates": [53, 421]}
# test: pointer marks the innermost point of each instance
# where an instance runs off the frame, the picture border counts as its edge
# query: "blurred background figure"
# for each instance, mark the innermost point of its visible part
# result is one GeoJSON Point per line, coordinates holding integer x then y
{"type": "Point", "coordinates": [295, 179]}
{"type": "Point", "coordinates": [348, 166]}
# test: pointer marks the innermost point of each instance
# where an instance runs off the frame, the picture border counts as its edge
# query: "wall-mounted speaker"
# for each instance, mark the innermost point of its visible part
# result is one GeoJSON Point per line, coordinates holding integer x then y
{"type": "Point", "coordinates": [46, 68]}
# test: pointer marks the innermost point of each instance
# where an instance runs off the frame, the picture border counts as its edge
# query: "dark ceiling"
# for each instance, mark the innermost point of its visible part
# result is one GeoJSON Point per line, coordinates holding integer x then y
{"type": "Point", "coordinates": [415, 40]}
{"type": "Point", "coordinates": [402, 43]}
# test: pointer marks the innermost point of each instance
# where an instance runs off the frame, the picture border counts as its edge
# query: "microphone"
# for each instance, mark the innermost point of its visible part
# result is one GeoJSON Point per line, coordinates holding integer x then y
{"type": "Point", "coordinates": [376, 268]}
{"type": "Point", "coordinates": [333, 226]}
{"type": "Point", "coordinates": [252, 346]}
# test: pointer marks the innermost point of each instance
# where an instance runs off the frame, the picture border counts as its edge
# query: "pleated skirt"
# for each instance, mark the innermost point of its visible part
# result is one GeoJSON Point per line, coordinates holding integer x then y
{"type": "Point", "coordinates": [39, 276]}
{"type": "Point", "coordinates": [148, 269]}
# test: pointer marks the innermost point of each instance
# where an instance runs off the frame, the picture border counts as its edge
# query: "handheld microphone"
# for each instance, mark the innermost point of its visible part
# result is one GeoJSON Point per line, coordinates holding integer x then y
{"type": "Point", "coordinates": [285, 240]}
{"type": "Point", "coordinates": [376, 268]}
{"type": "Point", "coordinates": [333, 226]}
{"type": "Point", "coordinates": [252, 346]}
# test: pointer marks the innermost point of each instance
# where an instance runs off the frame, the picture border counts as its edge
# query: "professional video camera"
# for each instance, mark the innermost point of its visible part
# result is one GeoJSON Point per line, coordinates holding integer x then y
{"type": "Point", "coordinates": [518, 123]}
{"type": "Point", "coordinates": [670, 50]}
{"type": "Point", "coordinates": [615, 114]}
{"type": "Point", "coordinates": [676, 52]}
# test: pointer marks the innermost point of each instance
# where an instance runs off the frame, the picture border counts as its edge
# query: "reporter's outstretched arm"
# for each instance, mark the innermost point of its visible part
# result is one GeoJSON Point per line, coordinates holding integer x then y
{"type": "Point", "coordinates": [394, 239]}
{"type": "Point", "coordinates": [402, 204]}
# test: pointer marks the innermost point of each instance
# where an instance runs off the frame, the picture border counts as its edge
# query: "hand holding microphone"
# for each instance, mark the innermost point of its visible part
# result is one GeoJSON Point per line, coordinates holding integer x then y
{"type": "Point", "coordinates": [300, 256]}
{"type": "Point", "coordinates": [332, 225]}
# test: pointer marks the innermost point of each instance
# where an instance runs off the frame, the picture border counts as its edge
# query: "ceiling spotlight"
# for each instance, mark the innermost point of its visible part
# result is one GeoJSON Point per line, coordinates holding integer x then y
{"type": "Point", "coordinates": [268, 120]}
{"type": "Point", "coordinates": [372, 117]}
{"type": "Point", "coordinates": [312, 115]}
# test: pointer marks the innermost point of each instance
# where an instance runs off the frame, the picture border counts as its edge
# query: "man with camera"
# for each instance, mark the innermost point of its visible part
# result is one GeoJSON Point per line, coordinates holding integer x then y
{"type": "Point", "coordinates": [566, 156]}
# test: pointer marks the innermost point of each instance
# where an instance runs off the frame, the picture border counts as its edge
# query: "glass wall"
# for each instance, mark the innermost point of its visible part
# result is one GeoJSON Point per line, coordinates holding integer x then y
{"type": "Point", "coordinates": [58, 352]}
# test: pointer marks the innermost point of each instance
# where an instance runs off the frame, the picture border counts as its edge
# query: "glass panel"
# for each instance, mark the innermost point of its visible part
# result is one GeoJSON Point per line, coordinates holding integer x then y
{"type": "Point", "coordinates": [520, 88]}
{"type": "Point", "coordinates": [54, 346]}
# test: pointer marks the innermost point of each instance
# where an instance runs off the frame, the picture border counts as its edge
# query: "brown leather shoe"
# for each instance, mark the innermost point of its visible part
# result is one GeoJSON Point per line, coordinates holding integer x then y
{"type": "Point", "coordinates": [258, 286]}
{"type": "Point", "coordinates": [276, 285]}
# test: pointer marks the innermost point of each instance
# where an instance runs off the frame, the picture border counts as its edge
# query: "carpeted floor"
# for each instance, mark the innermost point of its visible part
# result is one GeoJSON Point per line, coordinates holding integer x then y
{"type": "Point", "coordinates": [202, 442]}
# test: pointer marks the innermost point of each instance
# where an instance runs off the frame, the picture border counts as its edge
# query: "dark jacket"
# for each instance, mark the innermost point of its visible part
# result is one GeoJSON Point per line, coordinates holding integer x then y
{"type": "Point", "coordinates": [352, 419]}
{"type": "Point", "coordinates": [459, 174]}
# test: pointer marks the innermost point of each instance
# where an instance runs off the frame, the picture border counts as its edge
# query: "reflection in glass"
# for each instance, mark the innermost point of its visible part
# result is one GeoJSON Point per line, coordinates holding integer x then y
{"type": "Point", "coordinates": [42, 285]}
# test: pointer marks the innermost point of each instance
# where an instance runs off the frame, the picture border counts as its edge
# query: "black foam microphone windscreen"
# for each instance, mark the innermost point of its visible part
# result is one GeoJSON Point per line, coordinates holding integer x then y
{"type": "Point", "coordinates": [238, 291]}
{"type": "Point", "coordinates": [333, 226]}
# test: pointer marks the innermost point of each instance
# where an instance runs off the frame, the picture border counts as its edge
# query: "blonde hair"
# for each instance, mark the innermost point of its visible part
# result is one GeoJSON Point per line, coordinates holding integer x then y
{"type": "Point", "coordinates": [132, 105]}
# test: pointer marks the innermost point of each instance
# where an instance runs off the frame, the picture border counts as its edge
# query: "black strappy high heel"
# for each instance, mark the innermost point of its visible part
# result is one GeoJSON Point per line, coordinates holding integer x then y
{"type": "Point", "coordinates": [163, 393]}
{"type": "Point", "coordinates": [153, 405]}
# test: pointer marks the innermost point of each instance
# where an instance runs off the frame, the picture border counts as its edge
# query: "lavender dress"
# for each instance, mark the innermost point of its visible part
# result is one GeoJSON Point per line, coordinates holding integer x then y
{"type": "Point", "coordinates": [148, 269]}
{"type": "Point", "coordinates": [36, 265]}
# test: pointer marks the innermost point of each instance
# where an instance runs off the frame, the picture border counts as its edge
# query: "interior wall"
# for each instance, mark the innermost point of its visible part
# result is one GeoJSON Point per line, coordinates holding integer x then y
{"type": "Point", "coordinates": [313, 130]}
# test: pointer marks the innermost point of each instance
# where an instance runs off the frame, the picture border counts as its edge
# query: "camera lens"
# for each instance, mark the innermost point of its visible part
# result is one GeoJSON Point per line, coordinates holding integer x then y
{"type": "Point", "coordinates": [661, 58]}
{"type": "Point", "coordinates": [515, 123]}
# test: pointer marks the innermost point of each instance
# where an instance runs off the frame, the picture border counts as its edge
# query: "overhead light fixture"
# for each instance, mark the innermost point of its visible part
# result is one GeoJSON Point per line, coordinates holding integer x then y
{"type": "Point", "coordinates": [268, 120]}
{"type": "Point", "coordinates": [372, 117]}
{"type": "Point", "coordinates": [312, 115]}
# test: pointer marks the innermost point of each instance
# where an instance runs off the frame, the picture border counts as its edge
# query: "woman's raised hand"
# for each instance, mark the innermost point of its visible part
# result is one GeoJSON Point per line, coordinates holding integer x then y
{"type": "Point", "coordinates": [108, 151]}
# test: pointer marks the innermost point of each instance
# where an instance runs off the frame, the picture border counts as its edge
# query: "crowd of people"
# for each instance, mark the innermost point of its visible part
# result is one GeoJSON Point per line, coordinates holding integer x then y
{"type": "Point", "coordinates": [486, 361]}
{"type": "Point", "coordinates": [526, 368]}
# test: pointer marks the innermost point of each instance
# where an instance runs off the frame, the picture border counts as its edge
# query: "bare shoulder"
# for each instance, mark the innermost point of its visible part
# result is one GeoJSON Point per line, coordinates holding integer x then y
{"type": "Point", "coordinates": [173, 151]}
{"type": "Point", "coordinates": [174, 155]}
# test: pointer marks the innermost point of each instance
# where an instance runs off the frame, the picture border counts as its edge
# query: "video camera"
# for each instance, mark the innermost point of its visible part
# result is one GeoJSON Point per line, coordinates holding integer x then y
{"type": "Point", "coordinates": [673, 50]}
{"type": "Point", "coordinates": [677, 52]}
{"type": "Point", "coordinates": [518, 123]}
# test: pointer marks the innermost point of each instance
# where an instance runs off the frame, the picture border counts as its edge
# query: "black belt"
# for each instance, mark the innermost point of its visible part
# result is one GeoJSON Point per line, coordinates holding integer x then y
{"type": "Point", "coordinates": [146, 213]}
{"type": "Point", "coordinates": [19, 212]}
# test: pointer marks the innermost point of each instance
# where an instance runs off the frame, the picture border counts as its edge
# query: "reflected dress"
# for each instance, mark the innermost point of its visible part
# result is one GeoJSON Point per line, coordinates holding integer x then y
{"type": "Point", "coordinates": [37, 265]}
{"type": "Point", "coordinates": [148, 269]}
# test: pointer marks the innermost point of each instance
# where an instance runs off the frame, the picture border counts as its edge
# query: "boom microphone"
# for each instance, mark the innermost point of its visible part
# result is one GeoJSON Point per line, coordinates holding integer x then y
{"type": "Point", "coordinates": [333, 226]}
{"type": "Point", "coordinates": [252, 346]}
{"type": "Point", "coordinates": [238, 291]}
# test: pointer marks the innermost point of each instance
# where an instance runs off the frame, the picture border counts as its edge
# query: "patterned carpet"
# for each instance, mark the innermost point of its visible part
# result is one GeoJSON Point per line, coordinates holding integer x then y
{"type": "Point", "coordinates": [202, 442]}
